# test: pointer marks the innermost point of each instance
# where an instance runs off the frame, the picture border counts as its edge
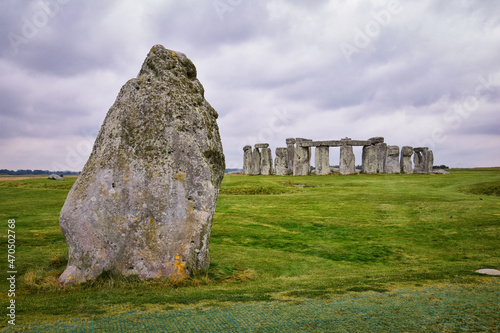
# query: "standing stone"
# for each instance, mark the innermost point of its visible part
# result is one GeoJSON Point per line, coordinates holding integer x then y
{"type": "Point", "coordinates": [322, 160]}
{"type": "Point", "coordinates": [392, 160]}
{"type": "Point", "coordinates": [369, 159]}
{"type": "Point", "coordinates": [421, 160]}
{"type": "Point", "coordinates": [302, 159]}
{"type": "Point", "coordinates": [247, 160]}
{"type": "Point", "coordinates": [381, 156]}
{"type": "Point", "coordinates": [406, 165]}
{"type": "Point", "coordinates": [281, 162]}
{"type": "Point", "coordinates": [255, 166]}
{"type": "Point", "coordinates": [290, 144]}
{"type": "Point", "coordinates": [430, 161]}
{"type": "Point", "coordinates": [144, 202]}
{"type": "Point", "coordinates": [347, 161]}
{"type": "Point", "coordinates": [266, 162]}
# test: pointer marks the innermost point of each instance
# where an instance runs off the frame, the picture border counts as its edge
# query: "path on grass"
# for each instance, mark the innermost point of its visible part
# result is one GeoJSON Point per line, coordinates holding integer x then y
{"type": "Point", "coordinates": [474, 308]}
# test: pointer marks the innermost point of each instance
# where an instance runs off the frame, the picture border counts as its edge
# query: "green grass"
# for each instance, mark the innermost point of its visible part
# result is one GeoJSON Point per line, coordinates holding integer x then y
{"type": "Point", "coordinates": [276, 239]}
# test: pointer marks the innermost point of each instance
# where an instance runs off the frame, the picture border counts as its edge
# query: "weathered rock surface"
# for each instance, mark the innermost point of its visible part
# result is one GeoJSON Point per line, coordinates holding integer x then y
{"type": "Point", "coordinates": [381, 156]}
{"type": "Point", "coordinates": [255, 165]}
{"type": "Point", "coordinates": [370, 159]}
{"type": "Point", "coordinates": [266, 162]}
{"type": "Point", "coordinates": [247, 160]}
{"type": "Point", "coordinates": [281, 162]}
{"type": "Point", "coordinates": [55, 177]}
{"type": "Point", "coordinates": [290, 144]}
{"type": "Point", "coordinates": [301, 158]}
{"type": "Point", "coordinates": [422, 157]}
{"type": "Point", "coordinates": [405, 162]}
{"type": "Point", "coordinates": [144, 202]}
{"type": "Point", "coordinates": [322, 160]}
{"type": "Point", "coordinates": [261, 145]}
{"type": "Point", "coordinates": [392, 160]}
{"type": "Point", "coordinates": [347, 161]}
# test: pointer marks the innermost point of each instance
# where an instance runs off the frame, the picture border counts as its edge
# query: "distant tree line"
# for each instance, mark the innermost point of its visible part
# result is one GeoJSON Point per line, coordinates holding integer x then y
{"type": "Point", "coordinates": [442, 166]}
{"type": "Point", "coordinates": [36, 172]}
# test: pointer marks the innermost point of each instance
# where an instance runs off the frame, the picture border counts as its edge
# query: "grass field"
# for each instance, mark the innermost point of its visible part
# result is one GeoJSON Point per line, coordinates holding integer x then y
{"type": "Point", "coordinates": [276, 239]}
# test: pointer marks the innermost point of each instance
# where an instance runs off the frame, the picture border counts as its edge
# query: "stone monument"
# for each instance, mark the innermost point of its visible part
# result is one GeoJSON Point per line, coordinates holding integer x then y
{"type": "Point", "coordinates": [144, 202]}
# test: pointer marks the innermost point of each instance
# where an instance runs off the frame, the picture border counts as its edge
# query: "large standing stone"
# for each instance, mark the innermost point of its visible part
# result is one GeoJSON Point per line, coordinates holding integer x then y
{"type": "Point", "coordinates": [255, 166]}
{"type": "Point", "coordinates": [406, 165]}
{"type": "Point", "coordinates": [430, 161]}
{"type": "Point", "coordinates": [392, 160]}
{"type": "Point", "coordinates": [421, 160]}
{"type": "Point", "coordinates": [266, 162]}
{"type": "Point", "coordinates": [369, 159]}
{"type": "Point", "coordinates": [281, 162]}
{"type": "Point", "coordinates": [290, 144]}
{"type": "Point", "coordinates": [247, 160]}
{"type": "Point", "coordinates": [302, 158]}
{"type": "Point", "coordinates": [322, 160]}
{"type": "Point", "coordinates": [347, 161]}
{"type": "Point", "coordinates": [144, 202]}
{"type": "Point", "coordinates": [381, 156]}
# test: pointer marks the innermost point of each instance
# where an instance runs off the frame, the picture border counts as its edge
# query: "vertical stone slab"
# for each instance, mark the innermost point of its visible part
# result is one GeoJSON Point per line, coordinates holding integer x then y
{"type": "Point", "coordinates": [430, 161]}
{"type": "Point", "coordinates": [290, 144]}
{"type": "Point", "coordinates": [144, 202]}
{"type": "Point", "coordinates": [347, 161]}
{"type": "Point", "coordinates": [406, 165]}
{"type": "Point", "coordinates": [370, 159]}
{"type": "Point", "coordinates": [322, 160]}
{"type": "Point", "coordinates": [420, 160]}
{"type": "Point", "coordinates": [381, 156]}
{"type": "Point", "coordinates": [302, 158]}
{"type": "Point", "coordinates": [392, 160]}
{"type": "Point", "coordinates": [266, 162]}
{"type": "Point", "coordinates": [281, 162]}
{"type": "Point", "coordinates": [247, 160]}
{"type": "Point", "coordinates": [255, 167]}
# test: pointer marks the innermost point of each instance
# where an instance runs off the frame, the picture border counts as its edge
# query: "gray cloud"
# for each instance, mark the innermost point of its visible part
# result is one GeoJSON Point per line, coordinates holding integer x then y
{"type": "Point", "coordinates": [272, 69]}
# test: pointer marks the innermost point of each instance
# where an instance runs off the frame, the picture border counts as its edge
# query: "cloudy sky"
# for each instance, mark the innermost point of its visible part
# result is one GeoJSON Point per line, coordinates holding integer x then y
{"type": "Point", "coordinates": [419, 73]}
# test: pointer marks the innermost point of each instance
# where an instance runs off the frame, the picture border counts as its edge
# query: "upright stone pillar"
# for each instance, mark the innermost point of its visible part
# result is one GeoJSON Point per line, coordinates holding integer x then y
{"type": "Point", "coordinates": [392, 160]}
{"type": "Point", "coordinates": [247, 160]}
{"type": "Point", "coordinates": [255, 167]}
{"type": "Point", "coordinates": [381, 156]}
{"type": "Point", "coordinates": [290, 144]}
{"type": "Point", "coordinates": [421, 160]}
{"type": "Point", "coordinates": [406, 165]}
{"type": "Point", "coordinates": [266, 162]}
{"type": "Point", "coordinates": [281, 162]}
{"type": "Point", "coordinates": [322, 159]}
{"type": "Point", "coordinates": [430, 161]}
{"type": "Point", "coordinates": [302, 158]}
{"type": "Point", "coordinates": [370, 159]}
{"type": "Point", "coordinates": [347, 161]}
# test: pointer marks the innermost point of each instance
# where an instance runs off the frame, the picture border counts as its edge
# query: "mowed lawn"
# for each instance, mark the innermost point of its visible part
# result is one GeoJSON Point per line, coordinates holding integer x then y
{"type": "Point", "coordinates": [275, 238]}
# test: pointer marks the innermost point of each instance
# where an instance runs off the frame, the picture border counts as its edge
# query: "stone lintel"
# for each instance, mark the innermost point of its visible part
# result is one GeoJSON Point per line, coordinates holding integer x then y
{"type": "Point", "coordinates": [377, 139]}
{"type": "Point", "coordinates": [290, 141]}
{"type": "Point", "coordinates": [261, 145]}
{"type": "Point", "coordinates": [335, 143]}
{"type": "Point", "coordinates": [419, 149]}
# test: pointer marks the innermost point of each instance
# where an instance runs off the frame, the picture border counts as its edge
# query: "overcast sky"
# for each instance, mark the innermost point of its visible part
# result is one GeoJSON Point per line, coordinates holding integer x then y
{"type": "Point", "coordinates": [419, 73]}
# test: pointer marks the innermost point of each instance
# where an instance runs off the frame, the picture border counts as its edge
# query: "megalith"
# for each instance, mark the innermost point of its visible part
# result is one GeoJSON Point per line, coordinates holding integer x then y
{"type": "Point", "coordinates": [322, 160]}
{"type": "Point", "coordinates": [144, 202]}
{"type": "Point", "coordinates": [302, 158]}
{"type": "Point", "coordinates": [392, 160]}
{"type": "Point", "coordinates": [421, 159]}
{"type": "Point", "coordinates": [290, 144]}
{"type": "Point", "coordinates": [255, 165]}
{"type": "Point", "coordinates": [347, 161]}
{"type": "Point", "coordinates": [369, 159]}
{"type": "Point", "coordinates": [406, 165]}
{"type": "Point", "coordinates": [281, 162]}
{"type": "Point", "coordinates": [266, 162]}
{"type": "Point", "coordinates": [247, 160]}
{"type": "Point", "coordinates": [381, 156]}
